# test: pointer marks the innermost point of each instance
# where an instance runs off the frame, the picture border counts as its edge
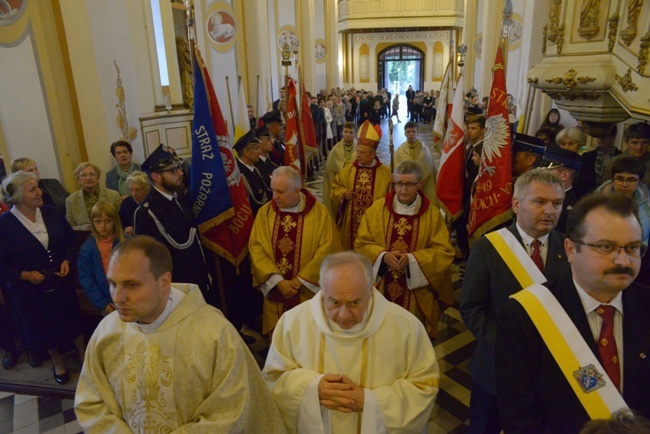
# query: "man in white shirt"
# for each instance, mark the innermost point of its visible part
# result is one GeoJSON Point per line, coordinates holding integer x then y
{"type": "Point", "coordinates": [349, 358]}
{"type": "Point", "coordinates": [610, 315]}
{"type": "Point", "coordinates": [165, 361]}
{"type": "Point", "coordinates": [489, 281]}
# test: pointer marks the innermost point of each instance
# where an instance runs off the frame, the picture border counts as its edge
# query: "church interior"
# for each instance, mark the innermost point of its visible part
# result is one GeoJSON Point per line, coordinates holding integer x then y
{"type": "Point", "coordinates": [75, 76]}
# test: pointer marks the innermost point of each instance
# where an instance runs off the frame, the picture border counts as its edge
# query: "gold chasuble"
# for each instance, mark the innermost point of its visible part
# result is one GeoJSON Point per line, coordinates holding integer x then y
{"type": "Point", "coordinates": [424, 235]}
{"type": "Point", "coordinates": [191, 374]}
{"type": "Point", "coordinates": [290, 244]}
{"type": "Point", "coordinates": [369, 184]}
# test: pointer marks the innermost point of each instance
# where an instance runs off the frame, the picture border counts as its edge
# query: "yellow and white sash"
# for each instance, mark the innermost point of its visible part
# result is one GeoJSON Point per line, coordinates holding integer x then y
{"type": "Point", "coordinates": [516, 257]}
{"type": "Point", "coordinates": [581, 368]}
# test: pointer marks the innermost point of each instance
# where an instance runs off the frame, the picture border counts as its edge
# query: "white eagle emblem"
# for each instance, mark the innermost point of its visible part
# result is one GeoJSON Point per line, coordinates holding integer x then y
{"type": "Point", "coordinates": [497, 130]}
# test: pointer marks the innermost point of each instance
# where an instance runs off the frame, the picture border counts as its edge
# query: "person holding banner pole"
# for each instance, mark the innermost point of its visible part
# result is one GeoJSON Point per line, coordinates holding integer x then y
{"type": "Point", "coordinates": [577, 348]}
{"type": "Point", "coordinates": [500, 264]}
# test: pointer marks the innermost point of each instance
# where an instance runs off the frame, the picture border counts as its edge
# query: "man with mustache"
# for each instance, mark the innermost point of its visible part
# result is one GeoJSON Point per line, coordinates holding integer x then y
{"type": "Point", "coordinates": [492, 276]}
{"type": "Point", "coordinates": [603, 329]}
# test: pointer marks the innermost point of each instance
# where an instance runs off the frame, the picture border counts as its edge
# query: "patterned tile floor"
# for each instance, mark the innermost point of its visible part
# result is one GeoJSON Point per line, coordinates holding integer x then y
{"type": "Point", "coordinates": [52, 412]}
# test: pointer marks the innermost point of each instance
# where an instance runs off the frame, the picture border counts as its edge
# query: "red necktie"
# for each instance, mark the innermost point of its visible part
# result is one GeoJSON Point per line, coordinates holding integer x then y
{"type": "Point", "coordinates": [607, 345]}
{"type": "Point", "coordinates": [537, 255]}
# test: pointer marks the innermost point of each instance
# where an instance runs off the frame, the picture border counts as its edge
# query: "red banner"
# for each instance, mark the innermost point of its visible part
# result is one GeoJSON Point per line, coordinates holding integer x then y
{"type": "Point", "coordinates": [491, 205]}
{"type": "Point", "coordinates": [451, 173]}
{"type": "Point", "coordinates": [292, 153]}
{"type": "Point", "coordinates": [308, 131]}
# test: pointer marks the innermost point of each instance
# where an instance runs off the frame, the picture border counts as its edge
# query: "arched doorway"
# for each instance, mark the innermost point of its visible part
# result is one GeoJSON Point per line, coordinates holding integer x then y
{"type": "Point", "coordinates": [400, 66]}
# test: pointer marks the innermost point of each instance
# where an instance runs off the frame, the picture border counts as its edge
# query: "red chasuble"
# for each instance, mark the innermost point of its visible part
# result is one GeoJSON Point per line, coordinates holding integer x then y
{"type": "Point", "coordinates": [287, 241]}
{"type": "Point", "coordinates": [402, 235]}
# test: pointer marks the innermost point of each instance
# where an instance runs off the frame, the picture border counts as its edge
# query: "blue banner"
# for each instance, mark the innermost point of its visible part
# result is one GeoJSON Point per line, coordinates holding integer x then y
{"type": "Point", "coordinates": [210, 194]}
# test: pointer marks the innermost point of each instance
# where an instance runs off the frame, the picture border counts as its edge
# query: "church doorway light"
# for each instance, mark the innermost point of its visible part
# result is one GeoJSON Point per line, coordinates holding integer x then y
{"type": "Point", "coordinates": [400, 66]}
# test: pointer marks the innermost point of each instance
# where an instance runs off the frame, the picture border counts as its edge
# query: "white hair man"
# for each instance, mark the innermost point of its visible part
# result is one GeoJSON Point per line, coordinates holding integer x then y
{"type": "Point", "coordinates": [291, 235]}
{"type": "Point", "coordinates": [350, 357]}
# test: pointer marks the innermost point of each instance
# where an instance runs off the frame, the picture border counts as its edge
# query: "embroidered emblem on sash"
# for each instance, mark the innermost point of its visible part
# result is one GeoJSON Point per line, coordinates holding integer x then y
{"type": "Point", "coordinates": [589, 378]}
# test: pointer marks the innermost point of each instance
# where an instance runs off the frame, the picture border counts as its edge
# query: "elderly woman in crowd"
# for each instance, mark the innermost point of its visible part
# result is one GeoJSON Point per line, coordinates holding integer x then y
{"type": "Point", "coordinates": [79, 203]}
{"type": "Point", "coordinates": [116, 177]}
{"type": "Point", "coordinates": [571, 139]}
{"type": "Point", "coordinates": [54, 194]}
{"type": "Point", "coordinates": [95, 255]}
{"type": "Point", "coordinates": [34, 268]}
{"type": "Point", "coordinates": [138, 184]}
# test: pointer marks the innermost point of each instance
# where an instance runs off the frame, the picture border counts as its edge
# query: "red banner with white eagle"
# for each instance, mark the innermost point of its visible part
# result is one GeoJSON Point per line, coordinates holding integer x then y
{"type": "Point", "coordinates": [294, 155]}
{"type": "Point", "coordinates": [492, 200]}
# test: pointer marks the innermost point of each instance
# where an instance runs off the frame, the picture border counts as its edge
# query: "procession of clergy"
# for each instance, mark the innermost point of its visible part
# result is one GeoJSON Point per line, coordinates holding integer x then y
{"type": "Point", "coordinates": [353, 289]}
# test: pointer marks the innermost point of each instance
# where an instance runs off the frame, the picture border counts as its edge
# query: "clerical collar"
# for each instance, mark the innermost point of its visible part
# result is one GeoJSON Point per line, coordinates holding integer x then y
{"type": "Point", "coordinates": [299, 207]}
{"type": "Point", "coordinates": [410, 209]}
{"type": "Point", "coordinates": [168, 196]}
{"type": "Point", "coordinates": [527, 239]}
{"type": "Point", "coordinates": [175, 297]}
{"type": "Point", "coordinates": [357, 328]}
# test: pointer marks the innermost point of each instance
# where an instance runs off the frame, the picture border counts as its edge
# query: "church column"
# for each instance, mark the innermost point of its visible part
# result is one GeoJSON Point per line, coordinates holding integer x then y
{"type": "Point", "coordinates": [469, 38]}
{"type": "Point", "coordinates": [492, 17]}
{"type": "Point", "coordinates": [428, 67]}
{"type": "Point", "coordinates": [372, 67]}
{"type": "Point", "coordinates": [307, 45]}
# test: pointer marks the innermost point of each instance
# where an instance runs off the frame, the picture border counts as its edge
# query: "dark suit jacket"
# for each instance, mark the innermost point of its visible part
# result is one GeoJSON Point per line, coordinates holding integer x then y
{"type": "Point", "coordinates": [487, 284]}
{"type": "Point", "coordinates": [189, 265]}
{"type": "Point", "coordinates": [533, 394]}
{"type": "Point", "coordinates": [266, 168]}
{"type": "Point", "coordinates": [570, 199]}
{"type": "Point", "coordinates": [587, 180]}
{"type": "Point", "coordinates": [54, 193]}
{"type": "Point", "coordinates": [258, 192]}
{"type": "Point", "coordinates": [277, 153]}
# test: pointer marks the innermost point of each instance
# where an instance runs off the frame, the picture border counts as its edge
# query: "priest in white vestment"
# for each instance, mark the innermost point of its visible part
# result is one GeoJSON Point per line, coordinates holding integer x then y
{"type": "Point", "coordinates": [349, 361]}
{"type": "Point", "coordinates": [165, 361]}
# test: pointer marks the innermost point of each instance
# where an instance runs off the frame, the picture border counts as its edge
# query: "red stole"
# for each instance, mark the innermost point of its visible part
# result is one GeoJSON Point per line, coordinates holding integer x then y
{"type": "Point", "coordinates": [402, 235]}
{"type": "Point", "coordinates": [287, 242]}
{"type": "Point", "coordinates": [364, 193]}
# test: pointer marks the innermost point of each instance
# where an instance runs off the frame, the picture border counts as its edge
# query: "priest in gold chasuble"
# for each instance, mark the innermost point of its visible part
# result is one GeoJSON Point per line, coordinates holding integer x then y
{"type": "Point", "coordinates": [165, 361]}
{"type": "Point", "coordinates": [359, 184]}
{"type": "Point", "coordinates": [290, 237]}
{"type": "Point", "coordinates": [406, 238]}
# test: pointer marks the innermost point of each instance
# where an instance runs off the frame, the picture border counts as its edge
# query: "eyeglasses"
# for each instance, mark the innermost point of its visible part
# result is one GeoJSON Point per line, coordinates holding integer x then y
{"type": "Point", "coordinates": [606, 248]}
{"type": "Point", "coordinates": [407, 185]}
{"type": "Point", "coordinates": [173, 170]}
{"type": "Point", "coordinates": [623, 180]}
{"type": "Point", "coordinates": [88, 175]}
